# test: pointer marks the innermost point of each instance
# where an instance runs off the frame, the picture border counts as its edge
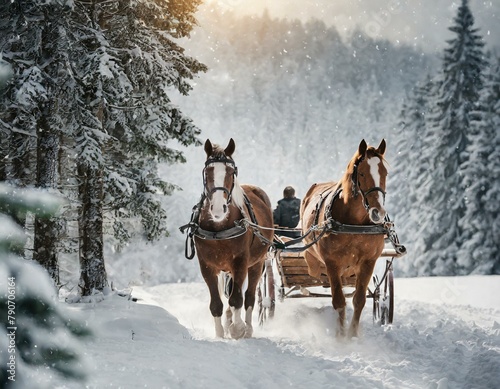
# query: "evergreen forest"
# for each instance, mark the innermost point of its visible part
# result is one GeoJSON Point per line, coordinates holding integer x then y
{"type": "Point", "coordinates": [105, 103]}
{"type": "Point", "coordinates": [298, 98]}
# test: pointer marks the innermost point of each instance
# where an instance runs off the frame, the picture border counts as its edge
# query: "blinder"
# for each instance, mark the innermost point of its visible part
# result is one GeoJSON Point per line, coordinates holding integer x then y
{"type": "Point", "coordinates": [354, 177]}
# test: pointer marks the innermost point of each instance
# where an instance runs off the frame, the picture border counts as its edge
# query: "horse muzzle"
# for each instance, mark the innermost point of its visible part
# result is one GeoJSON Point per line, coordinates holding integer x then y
{"type": "Point", "coordinates": [376, 215]}
{"type": "Point", "coordinates": [218, 212]}
{"type": "Point", "coordinates": [219, 206]}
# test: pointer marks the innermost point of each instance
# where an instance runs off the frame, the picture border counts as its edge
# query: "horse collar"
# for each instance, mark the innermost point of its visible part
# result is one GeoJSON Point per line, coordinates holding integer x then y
{"type": "Point", "coordinates": [232, 232]}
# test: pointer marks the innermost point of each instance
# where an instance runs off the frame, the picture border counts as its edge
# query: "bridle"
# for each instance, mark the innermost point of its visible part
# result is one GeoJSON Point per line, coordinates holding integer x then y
{"type": "Point", "coordinates": [356, 187]}
{"type": "Point", "coordinates": [226, 161]}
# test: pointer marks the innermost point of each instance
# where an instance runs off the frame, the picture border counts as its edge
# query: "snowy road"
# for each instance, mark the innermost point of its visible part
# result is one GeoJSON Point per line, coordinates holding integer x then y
{"type": "Point", "coordinates": [446, 334]}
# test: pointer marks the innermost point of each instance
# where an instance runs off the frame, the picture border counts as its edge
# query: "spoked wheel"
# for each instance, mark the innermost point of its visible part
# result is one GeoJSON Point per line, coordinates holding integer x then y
{"type": "Point", "coordinates": [387, 302]}
{"type": "Point", "coordinates": [265, 293]}
{"type": "Point", "coordinates": [383, 298]}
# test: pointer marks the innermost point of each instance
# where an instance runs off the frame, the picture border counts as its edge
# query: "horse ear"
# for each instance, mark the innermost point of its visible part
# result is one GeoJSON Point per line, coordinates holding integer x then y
{"type": "Point", "coordinates": [381, 147]}
{"type": "Point", "coordinates": [229, 150]}
{"type": "Point", "coordinates": [208, 148]}
{"type": "Point", "coordinates": [362, 148]}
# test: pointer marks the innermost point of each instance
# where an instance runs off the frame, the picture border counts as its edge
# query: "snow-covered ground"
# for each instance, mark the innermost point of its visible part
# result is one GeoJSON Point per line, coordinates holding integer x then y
{"type": "Point", "coordinates": [446, 334]}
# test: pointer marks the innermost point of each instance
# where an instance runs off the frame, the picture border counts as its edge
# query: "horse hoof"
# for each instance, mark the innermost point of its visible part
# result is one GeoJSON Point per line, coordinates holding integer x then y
{"type": "Point", "coordinates": [353, 332]}
{"type": "Point", "coordinates": [237, 332]}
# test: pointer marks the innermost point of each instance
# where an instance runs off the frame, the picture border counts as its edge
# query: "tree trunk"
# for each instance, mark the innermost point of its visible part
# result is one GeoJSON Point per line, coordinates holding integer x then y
{"type": "Point", "coordinates": [20, 167]}
{"type": "Point", "coordinates": [47, 229]}
{"type": "Point", "coordinates": [93, 272]}
{"type": "Point", "coordinates": [4, 154]}
{"type": "Point", "coordinates": [17, 170]}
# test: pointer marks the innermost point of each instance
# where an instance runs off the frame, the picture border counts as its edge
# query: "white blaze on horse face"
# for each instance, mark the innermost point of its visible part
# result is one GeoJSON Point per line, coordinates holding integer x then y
{"type": "Point", "coordinates": [218, 203]}
{"type": "Point", "coordinates": [377, 215]}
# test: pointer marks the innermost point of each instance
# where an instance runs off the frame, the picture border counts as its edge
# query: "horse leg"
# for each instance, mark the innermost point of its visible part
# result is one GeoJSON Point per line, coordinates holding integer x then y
{"type": "Point", "coordinates": [216, 305]}
{"type": "Point", "coordinates": [338, 298]}
{"type": "Point", "coordinates": [229, 320]}
{"type": "Point", "coordinates": [237, 327]}
{"type": "Point", "coordinates": [359, 299]}
{"type": "Point", "coordinates": [254, 274]}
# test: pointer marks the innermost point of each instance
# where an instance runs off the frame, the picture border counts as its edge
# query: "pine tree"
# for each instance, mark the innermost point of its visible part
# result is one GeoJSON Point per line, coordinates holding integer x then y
{"type": "Point", "coordinates": [143, 41]}
{"type": "Point", "coordinates": [36, 102]}
{"type": "Point", "coordinates": [480, 251]}
{"type": "Point", "coordinates": [41, 331]}
{"type": "Point", "coordinates": [17, 116]}
{"type": "Point", "coordinates": [5, 76]}
{"type": "Point", "coordinates": [129, 61]}
{"type": "Point", "coordinates": [53, 49]}
{"type": "Point", "coordinates": [94, 79]}
{"type": "Point", "coordinates": [450, 134]}
{"type": "Point", "coordinates": [410, 147]}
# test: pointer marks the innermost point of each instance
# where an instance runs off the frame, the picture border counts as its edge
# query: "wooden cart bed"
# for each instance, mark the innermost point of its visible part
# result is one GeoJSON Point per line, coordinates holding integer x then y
{"type": "Point", "coordinates": [293, 269]}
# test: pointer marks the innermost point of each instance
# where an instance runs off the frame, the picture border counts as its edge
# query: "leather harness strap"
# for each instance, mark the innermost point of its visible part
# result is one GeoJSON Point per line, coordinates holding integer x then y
{"type": "Point", "coordinates": [194, 228]}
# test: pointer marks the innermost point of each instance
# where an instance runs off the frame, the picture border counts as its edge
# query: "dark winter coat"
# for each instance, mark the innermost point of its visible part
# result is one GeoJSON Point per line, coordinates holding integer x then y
{"type": "Point", "coordinates": [287, 212]}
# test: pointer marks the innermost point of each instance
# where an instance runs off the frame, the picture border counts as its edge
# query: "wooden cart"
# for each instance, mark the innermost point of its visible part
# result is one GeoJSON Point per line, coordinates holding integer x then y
{"type": "Point", "coordinates": [285, 272]}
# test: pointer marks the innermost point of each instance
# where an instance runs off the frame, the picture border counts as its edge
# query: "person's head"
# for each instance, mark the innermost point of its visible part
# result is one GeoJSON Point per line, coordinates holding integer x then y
{"type": "Point", "coordinates": [288, 192]}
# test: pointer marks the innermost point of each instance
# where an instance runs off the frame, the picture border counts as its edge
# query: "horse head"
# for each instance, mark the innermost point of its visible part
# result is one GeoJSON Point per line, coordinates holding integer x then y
{"type": "Point", "coordinates": [368, 175]}
{"type": "Point", "coordinates": [219, 178]}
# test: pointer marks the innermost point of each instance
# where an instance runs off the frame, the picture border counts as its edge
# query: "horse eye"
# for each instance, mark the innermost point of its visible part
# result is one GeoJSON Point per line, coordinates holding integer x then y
{"type": "Point", "coordinates": [361, 174]}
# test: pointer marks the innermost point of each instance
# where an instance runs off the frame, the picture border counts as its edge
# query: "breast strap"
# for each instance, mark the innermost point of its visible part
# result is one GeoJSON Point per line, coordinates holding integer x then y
{"type": "Point", "coordinates": [194, 228]}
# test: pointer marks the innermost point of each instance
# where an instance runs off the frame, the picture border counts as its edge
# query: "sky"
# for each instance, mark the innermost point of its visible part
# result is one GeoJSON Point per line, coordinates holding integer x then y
{"type": "Point", "coordinates": [423, 23]}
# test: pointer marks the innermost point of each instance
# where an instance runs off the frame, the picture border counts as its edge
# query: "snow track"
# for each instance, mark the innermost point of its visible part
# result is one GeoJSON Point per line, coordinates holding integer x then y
{"type": "Point", "coordinates": [446, 334]}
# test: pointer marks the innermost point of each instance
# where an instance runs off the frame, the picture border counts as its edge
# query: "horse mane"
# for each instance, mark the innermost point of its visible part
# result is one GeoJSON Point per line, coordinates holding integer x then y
{"type": "Point", "coordinates": [239, 197]}
{"type": "Point", "coordinates": [218, 152]}
{"type": "Point", "coordinates": [347, 180]}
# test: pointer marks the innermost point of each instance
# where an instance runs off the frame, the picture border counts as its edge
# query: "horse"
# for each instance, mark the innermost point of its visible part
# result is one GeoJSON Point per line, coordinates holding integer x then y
{"type": "Point", "coordinates": [357, 199]}
{"type": "Point", "coordinates": [224, 244]}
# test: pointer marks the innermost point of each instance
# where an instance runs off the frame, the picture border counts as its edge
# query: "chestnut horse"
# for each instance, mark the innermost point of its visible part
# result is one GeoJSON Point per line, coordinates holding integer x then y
{"type": "Point", "coordinates": [357, 199]}
{"type": "Point", "coordinates": [224, 244]}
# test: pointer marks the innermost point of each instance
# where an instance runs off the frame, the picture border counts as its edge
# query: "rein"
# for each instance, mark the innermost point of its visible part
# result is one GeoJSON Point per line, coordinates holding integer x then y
{"type": "Point", "coordinates": [285, 245]}
{"type": "Point", "coordinates": [332, 226]}
{"type": "Point", "coordinates": [329, 224]}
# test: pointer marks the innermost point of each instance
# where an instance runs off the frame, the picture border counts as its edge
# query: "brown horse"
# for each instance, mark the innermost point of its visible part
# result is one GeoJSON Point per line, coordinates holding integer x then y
{"type": "Point", "coordinates": [357, 199]}
{"type": "Point", "coordinates": [224, 244]}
